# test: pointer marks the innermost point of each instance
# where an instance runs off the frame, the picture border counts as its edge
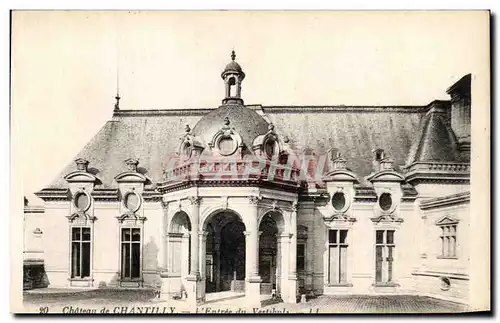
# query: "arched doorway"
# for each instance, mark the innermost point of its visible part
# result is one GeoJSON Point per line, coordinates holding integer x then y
{"type": "Point", "coordinates": [225, 253]}
{"type": "Point", "coordinates": [270, 227]}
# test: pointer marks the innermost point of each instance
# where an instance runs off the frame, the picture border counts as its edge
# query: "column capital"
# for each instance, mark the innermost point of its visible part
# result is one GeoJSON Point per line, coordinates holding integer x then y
{"type": "Point", "coordinates": [195, 200]}
{"type": "Point", "coordinates": [203, 233]}
{"type": "Point", "coordinates": [295, 206]}
{"type": "Point", "coordinates": [247, 233]}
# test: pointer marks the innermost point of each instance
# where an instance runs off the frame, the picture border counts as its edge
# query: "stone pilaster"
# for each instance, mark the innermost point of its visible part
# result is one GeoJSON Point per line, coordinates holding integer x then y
{"type": "Point", "coordinates": [195, 285]}
{"type": "Point", "coordinates": [253, 280]}
{"type": "Point", "coordinates": [292, 270]}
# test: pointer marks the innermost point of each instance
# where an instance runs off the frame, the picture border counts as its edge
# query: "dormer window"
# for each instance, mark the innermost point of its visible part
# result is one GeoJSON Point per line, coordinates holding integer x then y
{"type": "Point", "coordinates": [226, 146]}
{"type": "Point", "coordinates": [385, 201]}
{"type": "Point", "coordinates": [82, 201]}
{"type": "Point", "coordinates": [132, 201]}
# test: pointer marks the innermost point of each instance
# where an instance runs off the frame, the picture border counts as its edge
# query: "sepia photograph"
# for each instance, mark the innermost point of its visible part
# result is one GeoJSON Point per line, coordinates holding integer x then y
{"type": "Point", "coordinates": [250, 162]}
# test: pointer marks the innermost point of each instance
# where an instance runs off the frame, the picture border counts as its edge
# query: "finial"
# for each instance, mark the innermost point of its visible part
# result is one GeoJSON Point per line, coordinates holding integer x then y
{"type": "Point", "coordinates": [286, 139]}
{"type": "Point", "coordinates": [117, 104]}
{"type": "Point", "coordinates": [187, 129]}
{"type": "Point", "coordinates": [270, 127]}
{"type": "Point", "coordinates": [233, 55]}
{"type": "Point", "coordinates": [132, 164]}
{"type": "Point", "coordinates": [226, 121]}
{"type": "Point", "coordinates": [82, 164]}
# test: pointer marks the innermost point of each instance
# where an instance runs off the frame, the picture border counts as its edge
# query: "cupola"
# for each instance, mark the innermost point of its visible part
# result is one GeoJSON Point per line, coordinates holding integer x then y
{"type": "Point", "coordinates": [233, 76]}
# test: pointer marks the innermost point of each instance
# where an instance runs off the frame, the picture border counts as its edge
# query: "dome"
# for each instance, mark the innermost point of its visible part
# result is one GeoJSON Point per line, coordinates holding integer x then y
{"type": "Point", "coordinates": [246, 122]}
{"type": "Point", "coordinates": [233, 67]}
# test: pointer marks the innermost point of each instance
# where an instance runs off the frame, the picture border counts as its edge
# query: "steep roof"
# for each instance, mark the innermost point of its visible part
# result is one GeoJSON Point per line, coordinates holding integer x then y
{"type": "Point", "coordinates": [151, 136]}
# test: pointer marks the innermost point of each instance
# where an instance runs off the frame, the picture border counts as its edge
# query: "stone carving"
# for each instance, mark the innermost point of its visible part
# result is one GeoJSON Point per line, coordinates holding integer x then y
{"type": "Point", "coordinates": [195, 200]}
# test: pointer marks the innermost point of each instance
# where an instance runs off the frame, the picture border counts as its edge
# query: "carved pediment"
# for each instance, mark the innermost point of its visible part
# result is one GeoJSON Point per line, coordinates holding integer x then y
{"type": "Point", "coordinates": [81, 218]}
{"type": "Point", "coordinates": [387, 218]}
{"type": "Point", "coordinates": [447, 220]}
{"type": "Point", "coordinates": [130, 218]}
{"type": "Point", "coordinates": [340, 176]}
{"type": "Point", "coordinates": [131, 177]}
{"type": "Point", "coordinates": [339, 217]}
{"type": "Point", "coordinates": [80, 177]}
{"type": "Point", "coordinates": [386, 176]}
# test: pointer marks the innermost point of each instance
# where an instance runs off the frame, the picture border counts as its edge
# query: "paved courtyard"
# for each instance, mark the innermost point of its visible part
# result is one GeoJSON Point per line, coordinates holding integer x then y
{"type": "Point", "coordinates": [322, 304]}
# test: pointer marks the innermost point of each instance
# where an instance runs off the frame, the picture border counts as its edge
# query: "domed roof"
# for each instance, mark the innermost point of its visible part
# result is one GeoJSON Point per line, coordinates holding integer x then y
{"type": "Point", "coordinates": [233, 67]}
{"type": "Point", "coordinates": [246, 122]}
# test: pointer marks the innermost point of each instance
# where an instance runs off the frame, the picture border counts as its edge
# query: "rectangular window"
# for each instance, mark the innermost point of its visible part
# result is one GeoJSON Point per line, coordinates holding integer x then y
{"type": "Point", "coordinates": [384, 256]}
{"type": "Point", "coordinates": [448, 241]}
{"type": "Point", "coordinates": [131, 253]}
{"type": "Point", "coordinates": [80, 252]}
{"type": "Point", "coordinates": [301, 257]}
{"type": "Point", "coordinates": [337, 255]}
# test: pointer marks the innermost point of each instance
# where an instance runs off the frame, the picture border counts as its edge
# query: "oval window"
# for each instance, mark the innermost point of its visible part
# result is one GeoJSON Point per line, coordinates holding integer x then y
{"type": "Point", "coordinates": [82, 201]}
{"type": "Point", "coordinates": [132, 202]}
{"type": "Point", "coordinates": [385, 201]}
{"type": "Point", "coordinates": [269, 148]}
{"type": "Point", "coordinates": [338, 201]}
{"type": "Point", "coordinates": [226, 146]}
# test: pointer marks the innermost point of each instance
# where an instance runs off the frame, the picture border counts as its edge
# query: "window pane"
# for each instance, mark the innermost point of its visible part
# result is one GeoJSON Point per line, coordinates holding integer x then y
{"type": "Point", "coordinates": [378, 264]}
{"type": "Point", "coordinates": [385, 201]}
{"type": "Point", "coordinates": [338, 201]}
{"type": "Point", "coordinates": [389, 264]}
{"type": "Point", "coordinates": [453, 243]}
{"type": "Point", "coordinates": [86, 234]}
{"type": "Point", "coordinates": [453, 230]}
{"type": "Point", "coordinates": [332, 238]}
{"type": "Point", "coordinates": [226, 145]}
{"type": "Point", "coordinates": [75, 259]}
{"type": "Point", "coordinates": [333, 274]}
{"type": "Point", "coordinates": [380, 236]}
{"type": "Point", "coordinates": [136, 260]}
{"type": "Point", "coordinates": [390, 236]}
{"type": "Point", "coordinates": [343, 264]}
{"type": "Point", "coordinates": [126, 235]}
{"type": "Point", "coordinates": [343, 236]}
{"type": "Point", "coordinates": [447, 246]}
{"type": "Point", "coordinates": [136, 234]}
{"type": "Point", "coordinates": [125, 260]}
{"type": "Point", "coordinates": [86, 259]}
{"type": "Point", "coordinates": [446, 230]}
{"type": "Point", "coordinates": [75, 234]}
{"type": "Point", "coordinates": [442, 246]}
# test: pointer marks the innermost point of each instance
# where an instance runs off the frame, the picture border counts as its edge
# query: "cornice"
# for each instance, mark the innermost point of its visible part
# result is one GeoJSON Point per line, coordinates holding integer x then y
{"type": "Point", "coordinates": [34, 209]}
{"type": "Point", "coordinates": [54, 194]}
{"type": "Point", "coordinates": [437, 172]}
{"type": "Point", "coordinates": [443, 201]}
{"type": "Point", "coordinates": [364, 194]}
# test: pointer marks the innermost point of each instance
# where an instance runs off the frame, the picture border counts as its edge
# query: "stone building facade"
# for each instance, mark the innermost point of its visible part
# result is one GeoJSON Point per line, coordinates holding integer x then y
{"type": "Point", "coordinates": [260, 199]}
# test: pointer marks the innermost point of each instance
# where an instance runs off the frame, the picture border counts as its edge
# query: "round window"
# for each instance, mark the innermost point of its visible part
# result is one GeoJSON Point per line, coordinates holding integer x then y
{"type": "Point", "coordinates": [82, 201]}
{"type": "Point", "coordinates": [385, 201]}
{"type": "Point", "coordinates": [338, 201]}
{"type": "Point", "coordinates": [132, 201]}
{"type": "Point", "coordinates": [226, 146]}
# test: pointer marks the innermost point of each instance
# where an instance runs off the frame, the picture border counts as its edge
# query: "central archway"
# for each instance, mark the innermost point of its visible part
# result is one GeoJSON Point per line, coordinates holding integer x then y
{"type": "Point", "coordinates": [225, 253]}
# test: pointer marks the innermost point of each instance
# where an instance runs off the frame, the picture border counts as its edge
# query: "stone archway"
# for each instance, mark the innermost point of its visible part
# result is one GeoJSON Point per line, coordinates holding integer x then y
{"type": "Point", "coordinates": [225, 253]}
{"type": "Point", "coordinates": [270, 252]}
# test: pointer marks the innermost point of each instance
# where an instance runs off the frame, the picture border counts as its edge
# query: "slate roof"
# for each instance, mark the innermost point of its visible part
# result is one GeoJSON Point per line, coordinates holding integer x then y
{"type": "Point", "coordinates": [151, 136]}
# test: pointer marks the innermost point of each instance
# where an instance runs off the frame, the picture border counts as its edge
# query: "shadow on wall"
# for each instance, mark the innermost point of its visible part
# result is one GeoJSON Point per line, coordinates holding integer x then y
{"type": "Point", "coordinates": [34, 276]}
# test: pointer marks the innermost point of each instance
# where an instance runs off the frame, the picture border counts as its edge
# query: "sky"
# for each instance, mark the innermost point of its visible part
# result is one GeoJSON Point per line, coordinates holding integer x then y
{"type": "Point", "coordinates": [67, 65]}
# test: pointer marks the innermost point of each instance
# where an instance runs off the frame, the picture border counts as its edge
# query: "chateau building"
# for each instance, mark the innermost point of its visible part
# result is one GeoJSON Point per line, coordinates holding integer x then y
{"type": "Point", "coordinates": [260, 199]}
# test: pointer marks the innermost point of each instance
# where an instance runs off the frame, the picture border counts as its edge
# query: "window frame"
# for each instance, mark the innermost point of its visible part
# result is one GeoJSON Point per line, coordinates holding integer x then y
{"type": "Point", "coordinates": [388, 268]}
{"type": "Point", "coordinates": [130, 243]}
{"type": "Point", "coordinates": [445, 238]}
{"type": "Point", "coordinates": [346, 265]}
{"type": "Point", "coordinates": [72, 275]}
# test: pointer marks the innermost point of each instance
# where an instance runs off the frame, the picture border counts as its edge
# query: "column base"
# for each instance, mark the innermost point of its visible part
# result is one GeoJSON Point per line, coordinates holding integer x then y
{"type": "Point", "coordinates": [252, 291]}
{"type": "Point", "coordinates": [195, 290]}
{"type": "Point", "coordinates": [291, 288]}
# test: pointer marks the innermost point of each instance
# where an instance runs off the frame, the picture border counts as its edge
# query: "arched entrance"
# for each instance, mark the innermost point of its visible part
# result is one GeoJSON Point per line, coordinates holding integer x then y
{"type": "Point", "coordinates": [271, 226]}
{"type": "Point", "coordinates": [225, 253]}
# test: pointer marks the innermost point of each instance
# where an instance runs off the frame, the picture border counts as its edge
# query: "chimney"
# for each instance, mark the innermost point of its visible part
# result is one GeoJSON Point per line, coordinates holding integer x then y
{"type": "Point", "coordinates": [82, 164]}
{"type": "Point", "coordinates": [460, 94]}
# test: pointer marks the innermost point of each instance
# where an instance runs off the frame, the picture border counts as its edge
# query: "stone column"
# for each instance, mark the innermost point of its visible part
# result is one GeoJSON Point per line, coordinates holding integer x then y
{"type": "Point", "coordinates": [202, 236]}
{"type": "Point", "coordinates": [194, 281]}
{"type": "Point", "coordinates": [292, 271]}
{"type": "Point", "coordinates": [278, 264]}
{"type": "Point", "coordinates": [217, 260]}
{"type": "Point", "coordinates": [252, 279]}
{"type": "Point", "coordinates": [164, 258]}
{"type": "Point", "coordinates": [284, 246]}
